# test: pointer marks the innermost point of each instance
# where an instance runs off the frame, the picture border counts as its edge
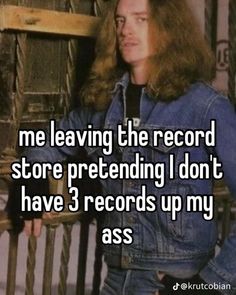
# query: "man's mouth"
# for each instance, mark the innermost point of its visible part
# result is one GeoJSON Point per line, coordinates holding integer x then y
{"type": "Point", "coordinates": [128, 44]}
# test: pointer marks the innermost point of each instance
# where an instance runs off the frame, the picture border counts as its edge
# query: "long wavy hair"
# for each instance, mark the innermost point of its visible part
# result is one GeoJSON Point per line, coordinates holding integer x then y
{"type": "Point", "coordinates": [182, 55]}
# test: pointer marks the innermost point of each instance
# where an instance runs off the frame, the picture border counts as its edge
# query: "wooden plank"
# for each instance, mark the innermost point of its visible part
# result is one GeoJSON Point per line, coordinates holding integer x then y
{"type": "Point", "coordinates": [47, 21]}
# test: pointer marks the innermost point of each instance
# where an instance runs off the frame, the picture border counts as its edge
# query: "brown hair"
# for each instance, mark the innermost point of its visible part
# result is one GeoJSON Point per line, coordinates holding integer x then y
{"type": "Point", "coordinates": [182, 56]}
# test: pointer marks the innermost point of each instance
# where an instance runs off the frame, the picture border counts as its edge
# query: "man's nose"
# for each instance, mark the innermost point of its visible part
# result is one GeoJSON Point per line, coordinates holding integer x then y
{"type": "Point", "coordinates": [126, 28]}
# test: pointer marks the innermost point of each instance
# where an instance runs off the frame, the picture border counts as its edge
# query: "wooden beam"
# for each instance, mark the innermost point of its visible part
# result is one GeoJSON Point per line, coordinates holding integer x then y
{"type": "Point", "coordinates": [27, 19]}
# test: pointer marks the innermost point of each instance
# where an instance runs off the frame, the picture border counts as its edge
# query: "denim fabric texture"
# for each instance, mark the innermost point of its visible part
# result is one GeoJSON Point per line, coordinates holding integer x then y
{"type": "Point", "coordinates": [146, 282]}
{"type": "Point", "coordinates": [180, 248]}
{"type": "Point", "coordinates": [131, 282]}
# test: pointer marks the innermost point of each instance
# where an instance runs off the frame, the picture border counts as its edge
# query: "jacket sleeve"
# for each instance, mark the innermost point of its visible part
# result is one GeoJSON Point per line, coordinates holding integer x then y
{"type": "Point", "coordinates": [222, 268]}
{"type": "Point", "coordinates": [76, 120]}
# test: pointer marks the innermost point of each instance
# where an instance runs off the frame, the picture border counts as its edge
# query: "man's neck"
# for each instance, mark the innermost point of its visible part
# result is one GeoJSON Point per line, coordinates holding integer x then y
{"type": "Point", "coordinates": [139, 75]}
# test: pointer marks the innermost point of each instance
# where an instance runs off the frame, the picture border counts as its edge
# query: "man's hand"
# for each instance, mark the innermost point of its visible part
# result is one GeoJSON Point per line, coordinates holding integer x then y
{"type": "Point", "coordinates": [29, 221]}
{"type": "Point", "coordinates": [33, 227]}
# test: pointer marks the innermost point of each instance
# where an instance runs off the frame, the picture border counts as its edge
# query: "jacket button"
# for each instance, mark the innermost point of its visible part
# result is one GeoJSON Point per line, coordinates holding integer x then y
{"type": "Point", "coordinates": [131, 183]}
{"type": "Point", "coordinates": [125, 261]}
{"type": "Point", "coordinates": [131, 219]}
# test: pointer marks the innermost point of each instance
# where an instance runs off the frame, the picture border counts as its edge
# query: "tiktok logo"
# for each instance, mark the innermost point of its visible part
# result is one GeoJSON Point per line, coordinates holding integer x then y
{"type": "Point", "coordinates": [176, 286]}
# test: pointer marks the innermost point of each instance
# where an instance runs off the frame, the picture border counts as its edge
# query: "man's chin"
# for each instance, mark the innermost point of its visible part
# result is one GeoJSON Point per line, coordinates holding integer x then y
{"type": "Point", "coordinates": [133, 62]}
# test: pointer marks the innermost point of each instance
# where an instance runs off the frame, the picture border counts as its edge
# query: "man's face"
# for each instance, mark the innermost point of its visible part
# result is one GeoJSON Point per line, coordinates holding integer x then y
{"type": "Point", "coordinates": [133, 31]}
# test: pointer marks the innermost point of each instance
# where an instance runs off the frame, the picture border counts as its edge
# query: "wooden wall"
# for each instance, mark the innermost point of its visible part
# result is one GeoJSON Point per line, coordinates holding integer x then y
{"type": "Point", "coordinates": [45, 70]}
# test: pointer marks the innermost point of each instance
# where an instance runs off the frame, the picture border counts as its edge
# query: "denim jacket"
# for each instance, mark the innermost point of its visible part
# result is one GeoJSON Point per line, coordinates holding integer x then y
{"type": "Point", "coordinates": [185, 246]}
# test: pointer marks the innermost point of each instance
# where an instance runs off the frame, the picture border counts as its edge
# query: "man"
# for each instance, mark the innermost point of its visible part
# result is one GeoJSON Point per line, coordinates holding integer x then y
{"type": "Point", "coordinates": [150, 61]}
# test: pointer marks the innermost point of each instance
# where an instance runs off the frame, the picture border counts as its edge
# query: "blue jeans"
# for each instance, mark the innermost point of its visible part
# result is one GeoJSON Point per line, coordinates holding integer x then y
{"type": "Point", "coordinates": [131, 282]}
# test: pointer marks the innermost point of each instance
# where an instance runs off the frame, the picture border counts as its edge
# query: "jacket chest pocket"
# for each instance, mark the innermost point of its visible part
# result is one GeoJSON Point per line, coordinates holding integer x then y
{"type": "Point", "coordinates": [168, 157]}
{"type": "Point", "coordinates": [157, 151]}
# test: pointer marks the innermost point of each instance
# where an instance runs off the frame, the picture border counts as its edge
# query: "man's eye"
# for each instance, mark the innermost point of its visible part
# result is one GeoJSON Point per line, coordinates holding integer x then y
{"type": "Point", "coordinates": [141, 19]}
{"type": "Point", "coordinates": [119, 21]}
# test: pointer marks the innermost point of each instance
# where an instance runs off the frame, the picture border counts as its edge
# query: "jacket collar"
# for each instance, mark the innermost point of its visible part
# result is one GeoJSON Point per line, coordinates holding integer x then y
{"type": "Point", "coordinates": [123, 82]}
